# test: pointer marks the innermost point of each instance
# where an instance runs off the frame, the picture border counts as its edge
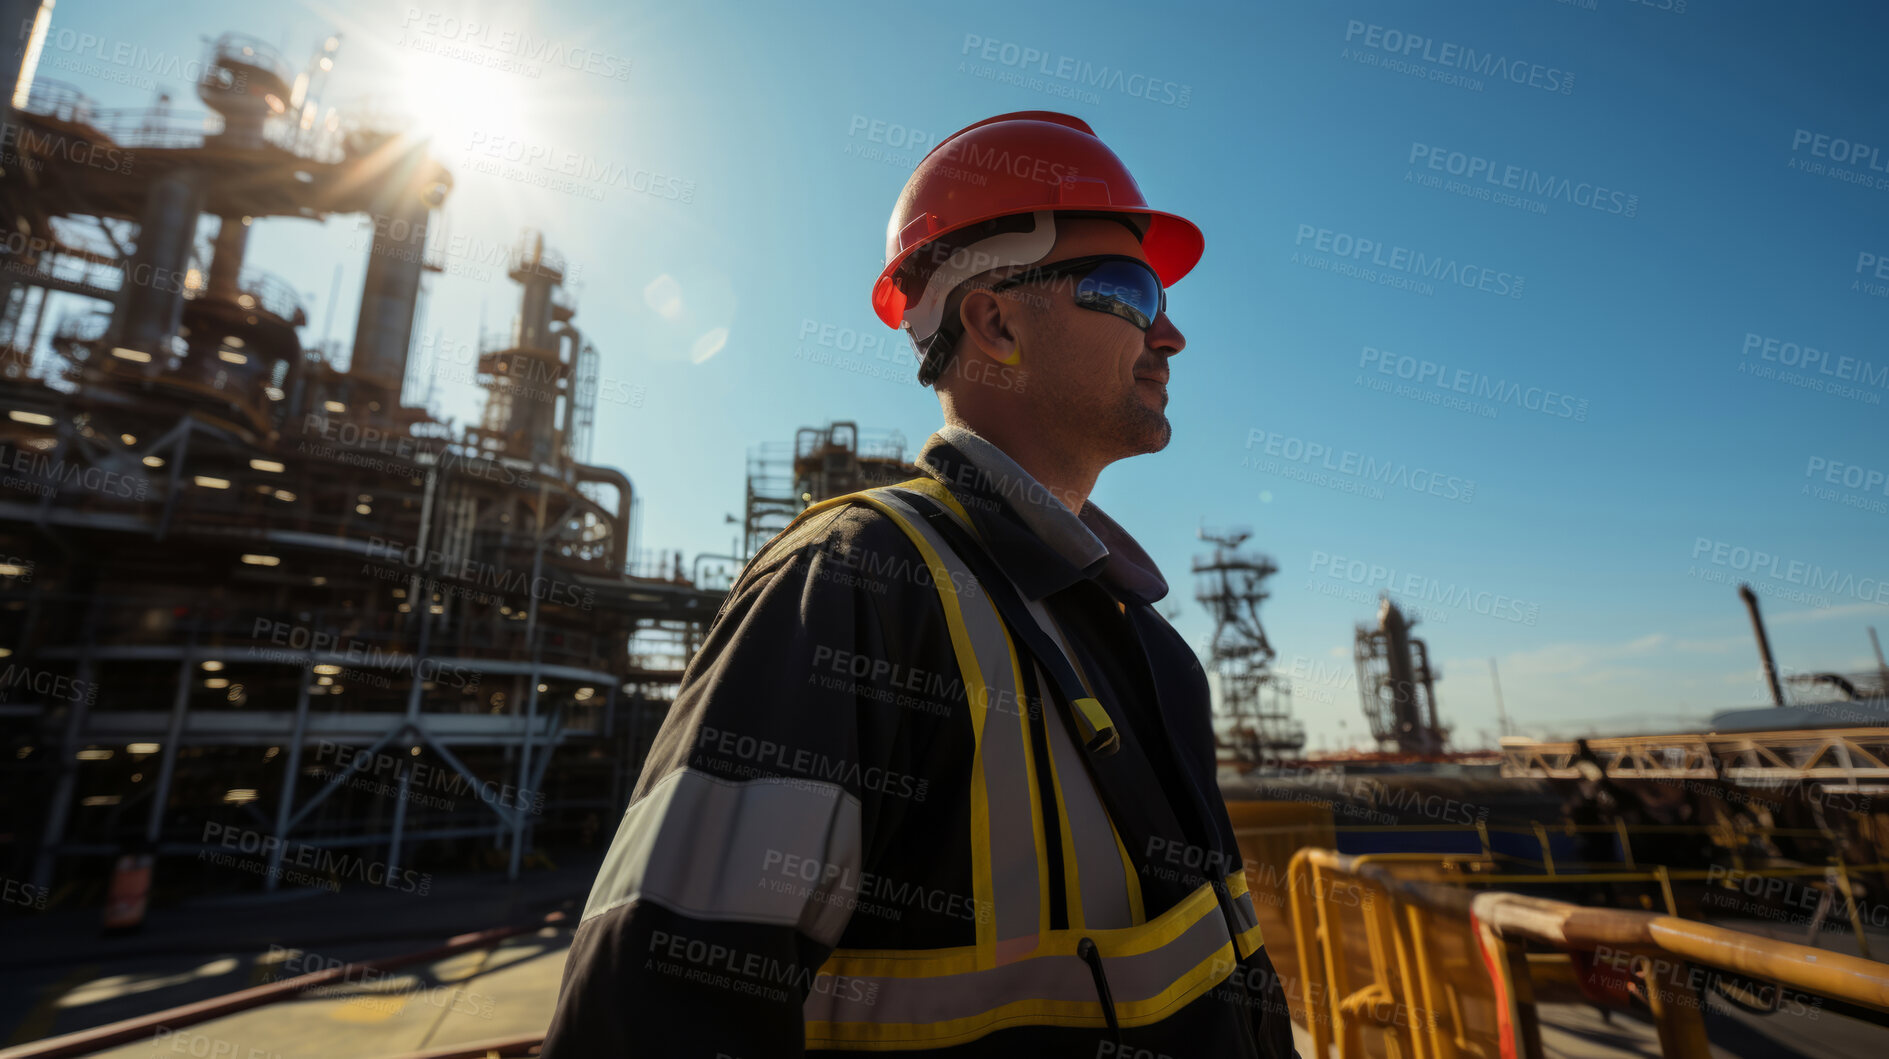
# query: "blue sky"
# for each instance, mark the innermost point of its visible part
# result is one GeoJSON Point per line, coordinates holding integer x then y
{"type": "Point", "coordinates": [1683, 239]}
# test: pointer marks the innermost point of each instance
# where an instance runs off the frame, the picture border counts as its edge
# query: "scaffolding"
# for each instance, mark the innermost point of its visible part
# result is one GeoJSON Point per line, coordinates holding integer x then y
{"type": "Point", "coordinates": [1255, 702]}
{"type": "Point", "coordinates": [245, 590]}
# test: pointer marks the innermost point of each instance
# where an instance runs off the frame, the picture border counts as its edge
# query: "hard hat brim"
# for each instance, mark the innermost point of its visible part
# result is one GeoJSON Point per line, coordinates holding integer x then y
{"type": "Point", "coordinates": [1173, 246]}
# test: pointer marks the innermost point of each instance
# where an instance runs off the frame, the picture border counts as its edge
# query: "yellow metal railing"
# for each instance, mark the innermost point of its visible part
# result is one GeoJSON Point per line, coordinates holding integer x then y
{"type": "Point", "coordinates": [1384, 955]}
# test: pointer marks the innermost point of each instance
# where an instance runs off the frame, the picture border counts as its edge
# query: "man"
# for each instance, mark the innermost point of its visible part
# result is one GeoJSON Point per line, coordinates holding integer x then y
{"type": "Point", "coordinates": [941, 781]}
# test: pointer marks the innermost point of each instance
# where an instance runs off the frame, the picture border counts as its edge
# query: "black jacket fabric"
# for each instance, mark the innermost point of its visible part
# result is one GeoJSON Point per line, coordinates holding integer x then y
{"type": "Point", "coordinates": [829, 675]}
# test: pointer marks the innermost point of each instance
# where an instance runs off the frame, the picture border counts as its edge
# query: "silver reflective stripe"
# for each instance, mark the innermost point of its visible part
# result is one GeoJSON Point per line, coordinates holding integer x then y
{"type": "Point", "coordinates": [1244, 913]}
{"type": "Point", "coordinates": [1019, 890]}
{"type": "Point", "coordinates": [1134, 982]}
{"type": "Point", "coordinates": [1099, 872]}
{"type": "Point", "coordinates": [718, 849]}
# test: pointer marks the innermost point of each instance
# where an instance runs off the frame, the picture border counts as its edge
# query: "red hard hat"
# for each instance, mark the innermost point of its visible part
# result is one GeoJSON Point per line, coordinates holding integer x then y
{"type": "Point", "coordinates": [1021, 163]}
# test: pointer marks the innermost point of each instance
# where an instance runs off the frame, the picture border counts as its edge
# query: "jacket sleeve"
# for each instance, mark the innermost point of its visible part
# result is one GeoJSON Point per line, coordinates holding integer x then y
{"type": "Point", "coordinates": [726, 886]}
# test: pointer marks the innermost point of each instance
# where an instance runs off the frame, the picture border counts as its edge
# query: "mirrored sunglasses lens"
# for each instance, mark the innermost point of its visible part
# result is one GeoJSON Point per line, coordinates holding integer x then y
{"type": "Point", "coordinates": [1129, 285]}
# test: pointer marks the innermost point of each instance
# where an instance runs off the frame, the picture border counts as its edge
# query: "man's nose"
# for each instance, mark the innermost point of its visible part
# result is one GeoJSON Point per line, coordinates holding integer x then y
{"type": "Point", "coordinates": [1164, 338]}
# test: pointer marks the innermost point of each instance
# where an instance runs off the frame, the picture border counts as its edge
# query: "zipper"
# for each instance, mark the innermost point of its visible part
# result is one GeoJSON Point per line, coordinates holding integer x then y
{"type": "Point", "coordinates": [1093, 957]}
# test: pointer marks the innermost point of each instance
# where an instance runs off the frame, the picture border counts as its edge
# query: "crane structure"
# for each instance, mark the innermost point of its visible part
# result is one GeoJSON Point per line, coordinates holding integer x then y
{"type": "Point", "coordinates": [1254, 702]}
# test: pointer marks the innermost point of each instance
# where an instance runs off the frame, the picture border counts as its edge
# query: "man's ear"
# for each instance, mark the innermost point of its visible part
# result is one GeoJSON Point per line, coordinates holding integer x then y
{"type": "Point", "coordinates": [989, 326]}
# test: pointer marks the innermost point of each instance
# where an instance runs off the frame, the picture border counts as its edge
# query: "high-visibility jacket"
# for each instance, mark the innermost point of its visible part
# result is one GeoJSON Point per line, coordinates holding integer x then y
{"type": "Point", "coordinates": [879, 819]}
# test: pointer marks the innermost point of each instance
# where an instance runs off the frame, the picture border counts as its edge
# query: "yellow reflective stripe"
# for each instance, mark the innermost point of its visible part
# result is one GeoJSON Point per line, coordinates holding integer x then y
{"type": "Point", "coordinates": [976, 691]}
{"type": "Point", "coordinates": [935, 489]}
{"type": "Point", "coordinates": [1055, 970]}
{"type": "Point", "coordinates": [1117, 941]}
{"type": "Point", "coordinates": [1136, 909]}
{"type": "Point", "coordinates": [1250, 940]}
{"type": "Point", "coordinates": [1072, 866]}
{"type": "Point", "coordinates": [1029, 769]}
{"type": "Point", "coordinates": [891, 1036]}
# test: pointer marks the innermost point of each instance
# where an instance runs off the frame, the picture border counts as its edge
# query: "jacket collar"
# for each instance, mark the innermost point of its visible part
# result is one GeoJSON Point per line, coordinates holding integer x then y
{"type": "Point", "coordinates": [1039, 543]}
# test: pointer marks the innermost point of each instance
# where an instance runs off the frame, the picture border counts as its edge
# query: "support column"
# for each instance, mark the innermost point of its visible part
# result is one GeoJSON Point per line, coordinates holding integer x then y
{"type": "Point", "coordinates": [180, 706]}
{"type": "Point", "coordinates": [290, 777]}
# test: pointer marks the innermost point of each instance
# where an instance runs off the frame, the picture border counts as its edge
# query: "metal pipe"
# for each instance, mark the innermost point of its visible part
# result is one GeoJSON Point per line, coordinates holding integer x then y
{"type": "Point", "coordinates": [1764, 644]}
{"type": "Point", "coordinates": [616, 559]}
{"type": "Point", "coordinates": [151, 301]}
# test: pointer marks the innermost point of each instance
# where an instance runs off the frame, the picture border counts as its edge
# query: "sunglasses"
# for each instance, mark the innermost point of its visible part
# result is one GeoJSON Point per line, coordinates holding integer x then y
{"type": "Point", "coordinates": [1106, 283]}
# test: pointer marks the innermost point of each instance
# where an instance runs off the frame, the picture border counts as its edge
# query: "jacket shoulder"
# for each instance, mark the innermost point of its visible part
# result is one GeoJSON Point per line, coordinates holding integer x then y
{"type": "Point", "coordinates": [852, 536]}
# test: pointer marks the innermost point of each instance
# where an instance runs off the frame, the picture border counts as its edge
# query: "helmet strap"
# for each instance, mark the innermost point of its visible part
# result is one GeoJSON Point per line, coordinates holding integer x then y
{"type": "Point", "coordinates": [923, 318]}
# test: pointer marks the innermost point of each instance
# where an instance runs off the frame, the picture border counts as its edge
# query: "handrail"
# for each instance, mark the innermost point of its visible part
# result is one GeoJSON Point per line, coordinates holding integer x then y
{"type": "Point", "coordinates": [1404, 994]}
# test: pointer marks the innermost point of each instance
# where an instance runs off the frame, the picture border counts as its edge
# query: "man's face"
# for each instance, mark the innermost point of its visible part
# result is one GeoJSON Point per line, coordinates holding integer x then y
{"type": "Point", "coordinates": [1097, 379]}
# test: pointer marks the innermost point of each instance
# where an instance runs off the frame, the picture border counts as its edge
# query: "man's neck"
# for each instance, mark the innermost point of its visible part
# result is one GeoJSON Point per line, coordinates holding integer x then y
{"type": "Point", "coordinates": [1070, 480]}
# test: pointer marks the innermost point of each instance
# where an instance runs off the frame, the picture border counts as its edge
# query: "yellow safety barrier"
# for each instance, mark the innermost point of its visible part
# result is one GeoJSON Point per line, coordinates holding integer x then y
{"type": "Point", "coordinates": [1384, 961]}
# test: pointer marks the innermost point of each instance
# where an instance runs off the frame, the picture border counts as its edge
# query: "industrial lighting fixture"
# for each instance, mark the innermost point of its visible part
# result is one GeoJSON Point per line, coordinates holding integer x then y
{"type": "Point", "coordinates": [254, 559]}
{"type": "Point", "coordinates": [334, 406]}
{"type": "Point", "coordinates": [285, 496]}
{"type": "Point", "coordinates": [318, 580]}
{"type": "Point", "coordinates": [35, 418]}
{"type": "Point", "coordinates": [211, 483]}
{"type": "Point", "coordinates": [274, 393]}
{"type": "Point", "coordinates": [6, 652]}
{"type": "Point", "coordinates": [584, 694]}
{"type": "Point", "coordinates": [212, 666]}
{"type": "Point", "coordinates": [141, 748]}
{"type": "Point", "coordinates": [363, 509]}
{"type": "Point", "coordinates": [230, 356]}
{"type": "Point", "coordinates": [542, 688]}
{"type": "Point", "coordinates": [153, 461]}
{"type": "Point", "coordinates": [239, 796]}
{"type": "Point", "coordinates": [129, 439]}
{"type": "Point", "coordinates": [327, 670]}
{"type": "Point", "coordinates": [324, 681]}
{"type": "Point", "coordinates": [248, 301]}
{"type": "Point", "coordinates": [217, 682]}
{"type": "Point", "coordinates": [266, 465]}
{"type": "Point", "coordinates": [94, 754]}
{"type": "Point", "coordinates": [136, 356]}
{"type": "Point", "coordinates": [234, 341]}
{"type": "Point", "coordinates": [100, 799]}
{"type": "Point", "coordinates": [11, 570]}
{"type": "Point", "coordinates": [437, 609]}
